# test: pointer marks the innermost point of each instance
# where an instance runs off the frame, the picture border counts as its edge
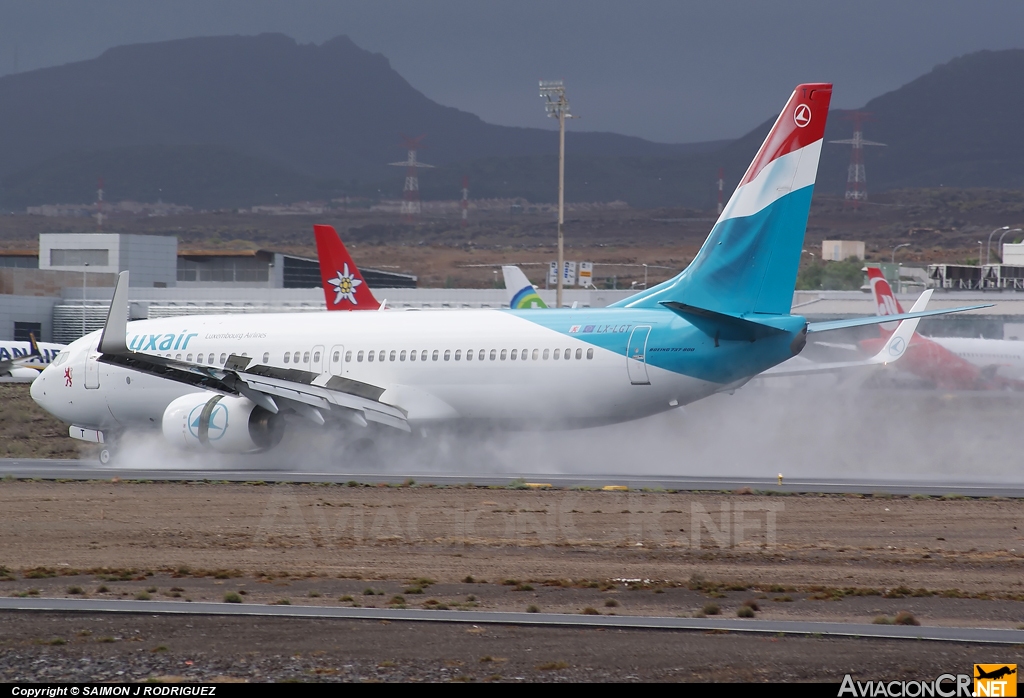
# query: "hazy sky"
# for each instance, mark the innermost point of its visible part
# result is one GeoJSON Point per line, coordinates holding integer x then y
{"type": "Point", "coordinates": [667, 70]}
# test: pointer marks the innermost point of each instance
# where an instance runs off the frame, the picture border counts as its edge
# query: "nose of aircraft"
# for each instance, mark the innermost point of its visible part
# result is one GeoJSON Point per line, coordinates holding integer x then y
{"type": "Point", "coordinates": [38, 390]}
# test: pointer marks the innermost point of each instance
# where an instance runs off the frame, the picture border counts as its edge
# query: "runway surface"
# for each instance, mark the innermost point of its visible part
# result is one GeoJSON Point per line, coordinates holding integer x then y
{"type": "Point", "coordinates": [947, 634]}
{"type": "Point", "coordinates": [91, 470]}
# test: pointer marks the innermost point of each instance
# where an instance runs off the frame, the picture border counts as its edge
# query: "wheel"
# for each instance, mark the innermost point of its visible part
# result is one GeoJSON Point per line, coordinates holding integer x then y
{"type": "Point", "coordinates": [105, 456]}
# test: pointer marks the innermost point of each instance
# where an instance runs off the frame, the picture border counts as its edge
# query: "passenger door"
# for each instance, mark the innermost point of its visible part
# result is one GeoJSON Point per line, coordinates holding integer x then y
{"type": "Point", "coordinates": [636, 355]}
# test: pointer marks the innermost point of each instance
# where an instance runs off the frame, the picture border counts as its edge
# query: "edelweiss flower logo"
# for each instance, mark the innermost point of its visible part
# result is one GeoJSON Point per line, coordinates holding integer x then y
{"type": "Point", "coordinates": [345, 286]}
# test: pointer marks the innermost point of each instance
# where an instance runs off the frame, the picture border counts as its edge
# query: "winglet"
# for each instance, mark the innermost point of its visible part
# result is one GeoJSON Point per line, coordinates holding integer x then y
{"type": "Point", "coordinates": [114, 339]}
{"type": "Point", "coordinates": [900, 339]}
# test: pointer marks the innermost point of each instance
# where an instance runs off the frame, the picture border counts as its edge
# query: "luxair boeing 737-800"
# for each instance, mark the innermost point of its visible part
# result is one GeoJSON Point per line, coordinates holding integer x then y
{"type": "Point", "coordinates": [232, 383]}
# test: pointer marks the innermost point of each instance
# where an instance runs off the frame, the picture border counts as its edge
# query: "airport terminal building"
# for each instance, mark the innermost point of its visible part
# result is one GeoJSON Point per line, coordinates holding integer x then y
{"type": "Point", "coordinates": [64, 289]}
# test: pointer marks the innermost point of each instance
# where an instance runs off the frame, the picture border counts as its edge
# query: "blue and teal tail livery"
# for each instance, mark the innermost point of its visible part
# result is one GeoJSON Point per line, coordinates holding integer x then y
{"type": "Point", "coordinates": [748, 264]}
{"type": "Point", "coordinates": [521, 293]}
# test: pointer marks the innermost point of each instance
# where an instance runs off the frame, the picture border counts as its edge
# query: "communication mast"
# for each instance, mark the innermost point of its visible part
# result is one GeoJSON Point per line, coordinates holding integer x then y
{"type": "Point", "coordinates": [99, 203]}
{"type": "Point", "coordinates": [465, 201]}
{"type": "Point", "coordinates": [411, 193]}
{"type": "Point", "coordinates": [856, 179]}
{"type": "Point", "coordinates": [721, 183]}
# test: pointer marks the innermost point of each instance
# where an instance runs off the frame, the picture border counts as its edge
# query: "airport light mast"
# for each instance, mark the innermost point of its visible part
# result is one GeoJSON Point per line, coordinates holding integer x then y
{"type": "Point", "coordinates": [557, 107]}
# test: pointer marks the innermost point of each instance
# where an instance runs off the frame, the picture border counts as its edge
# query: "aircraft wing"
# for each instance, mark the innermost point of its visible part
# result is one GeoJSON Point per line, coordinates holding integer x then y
{"type": "Point", "coordinates": [307, 393]}
{"type": "Point", "coordinates": [893, 349]}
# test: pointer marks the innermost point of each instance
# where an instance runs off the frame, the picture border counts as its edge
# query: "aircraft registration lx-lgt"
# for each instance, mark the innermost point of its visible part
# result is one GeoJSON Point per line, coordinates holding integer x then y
{"type": "Point", "coordinates": [226, 383]}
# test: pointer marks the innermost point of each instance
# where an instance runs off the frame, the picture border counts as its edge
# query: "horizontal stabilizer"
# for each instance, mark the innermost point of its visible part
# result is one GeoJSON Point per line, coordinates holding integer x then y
{"type": "Point", "coordinates": [877, 320]}
{"type": "Point", "coordinates": [893, 349]}
{"type": "Point", "coordinates": [722, 325]}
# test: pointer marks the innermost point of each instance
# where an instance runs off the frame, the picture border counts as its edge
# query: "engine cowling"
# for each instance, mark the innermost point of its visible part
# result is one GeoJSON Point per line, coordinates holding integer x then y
{"type": "Point", "coordinates": [228, 424]}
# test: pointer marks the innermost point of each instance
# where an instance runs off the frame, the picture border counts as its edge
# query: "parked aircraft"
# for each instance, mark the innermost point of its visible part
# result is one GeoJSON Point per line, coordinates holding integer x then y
{"type": "Point", "coordinates": [343, 284]}
{"type": "Point", "coordinates": [521, 292]}
{"type": "Point", "coordinates": [26, 359]}
{"type": "Point", "coordinates": [227, 382]}
{"type": "Point", "coordinates": [951, 363]}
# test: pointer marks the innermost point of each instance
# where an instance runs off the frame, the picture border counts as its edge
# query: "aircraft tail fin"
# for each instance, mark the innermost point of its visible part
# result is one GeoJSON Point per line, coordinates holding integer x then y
{"type": "Point", "coordinates": [521, 293]}
{"type": "Point", "coordinates": [748, 264]}
{"type": "Point", "coordinates": [343, 284]}
{"type": "Point", "coordinates": [885, 301]}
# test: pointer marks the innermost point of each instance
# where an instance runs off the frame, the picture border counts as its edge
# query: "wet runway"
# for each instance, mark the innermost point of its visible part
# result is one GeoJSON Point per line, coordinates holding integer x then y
{"type": "Point", "coordinates": [80, 470]}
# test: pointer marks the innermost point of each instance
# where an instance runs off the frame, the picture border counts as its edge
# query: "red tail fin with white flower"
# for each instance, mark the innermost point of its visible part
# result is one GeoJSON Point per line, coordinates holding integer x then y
{"type": "Point", "coordinates": [344, 287]}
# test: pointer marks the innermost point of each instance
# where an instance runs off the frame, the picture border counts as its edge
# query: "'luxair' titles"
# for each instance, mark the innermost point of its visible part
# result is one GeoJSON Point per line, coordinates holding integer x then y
{"type": "Point", "coordinates": [161, 342]}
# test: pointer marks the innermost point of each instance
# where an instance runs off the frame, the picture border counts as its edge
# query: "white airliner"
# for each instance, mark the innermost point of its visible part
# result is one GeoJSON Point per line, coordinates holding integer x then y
{"type": "Point", "coordinates": [24, 360]}
{"type": "Point", "coordinates": [231, 383]}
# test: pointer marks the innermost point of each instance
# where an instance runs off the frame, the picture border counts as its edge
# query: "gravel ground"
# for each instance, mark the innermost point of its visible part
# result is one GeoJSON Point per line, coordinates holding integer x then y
{"type": "Point", "coordinates": [948, 562]}
{"type": "Point", "coordinates": [86, 647]}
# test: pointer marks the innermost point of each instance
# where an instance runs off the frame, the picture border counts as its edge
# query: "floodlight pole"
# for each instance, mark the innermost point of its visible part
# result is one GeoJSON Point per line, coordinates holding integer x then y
{"type": "Point", "coordinates": [84, 272]}
{"type": "Point", "coordinates": [561, 205]}
{"type": "Point", "coordinates": [558, 106]}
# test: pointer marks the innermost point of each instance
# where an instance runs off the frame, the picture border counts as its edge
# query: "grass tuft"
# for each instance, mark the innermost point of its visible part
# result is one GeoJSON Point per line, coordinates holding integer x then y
{"type": "Point", "coordinates": [232, 597]}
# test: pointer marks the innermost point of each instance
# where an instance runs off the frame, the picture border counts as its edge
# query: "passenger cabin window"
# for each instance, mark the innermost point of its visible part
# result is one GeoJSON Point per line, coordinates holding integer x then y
{"type": "Point", "coordinates": [434, 355]}
{"type": "Point", "coordinates": [423, 355]}
{"type": "Point", "coordinates": [401, 356]}
{"type": "Point", "coordinates": [513, 355]}
{"type": "Point", "coordinates": [348, 356]}
{"type": "Point", "coordinates": [393, 354]}
{"type": "Point", "coordinates": [494, 354]}
{"type": "Point", "coordinates": [536, 353]}
{"type": "Point", "coordinates": [469, 355]}
{"type": "Point", "coordinates": [209, 359]}
{"type": "Point", "coordinates": [590, 353]}
{"type": "Point", "coordinates": [199, 358]}
{"type": "Point", "coordinates": [504, 354]}
{"type": "Point", "coordinates": [458, 354]}
{"type": "Point", "coordinates": [412, 355]}
{"type": "Point", "coordinates": [266, 357]}
{"type": "Point", "coordinates": [380, 355]}
{"type": "Point", "coordinates": [447, 354]}
{"type": "Point", "coordinates": [480, 356]}
{"type": "Point", "coordinates": [177, 357]}
{"type": "Point", "coordinates": [223, 358]}
{"type": "Point", "coordinates": [188, 358]}
{"type": "Point", "coordinates": [556, 355]}
{"type": "Point", "coordinates": [568, 354]}
{"type": "Point", "coordinates": [359, 356]}
{"type": "Point", "coordinates": [525, 354]}
{"type": "Point", "coordinates": [546, 352]}
{"type": "Point", "coordinates": [286, 355]}
{"type": "Point", "coordinates": [305, 358]}
{"type": "Point", "coordinates": [369, 357]}
{"type": "Point", "coordinates": [316, 357]}
{"type": "Point", "coordinates": [579, 353]}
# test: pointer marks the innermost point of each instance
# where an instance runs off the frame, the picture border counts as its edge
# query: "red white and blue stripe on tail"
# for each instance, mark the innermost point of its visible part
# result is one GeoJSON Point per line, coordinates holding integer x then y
{"type": "Point", "coordinates": [748, 263]}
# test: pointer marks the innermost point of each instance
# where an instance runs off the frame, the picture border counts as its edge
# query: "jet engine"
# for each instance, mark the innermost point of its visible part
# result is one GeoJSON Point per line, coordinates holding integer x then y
{"type": "Point", "coordinates": [227, 424]}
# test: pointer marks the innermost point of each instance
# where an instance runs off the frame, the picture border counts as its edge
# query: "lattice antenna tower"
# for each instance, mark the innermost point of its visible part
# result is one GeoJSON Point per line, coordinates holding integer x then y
{"type": "Point", "coordinates": [411, 194]}
{"type": "Point", "coordinates": [99, 203]}
{"type": "Point", "coordinates": [465, 201]}
{"type": "Point", "coordinates": [721, 187]}
{"type": "Point", "coordinates": [856, 178]}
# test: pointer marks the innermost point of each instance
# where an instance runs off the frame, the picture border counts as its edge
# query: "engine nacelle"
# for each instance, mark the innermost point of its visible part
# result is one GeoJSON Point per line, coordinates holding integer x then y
{"type": "Point", "coordinates": [227, 424]}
